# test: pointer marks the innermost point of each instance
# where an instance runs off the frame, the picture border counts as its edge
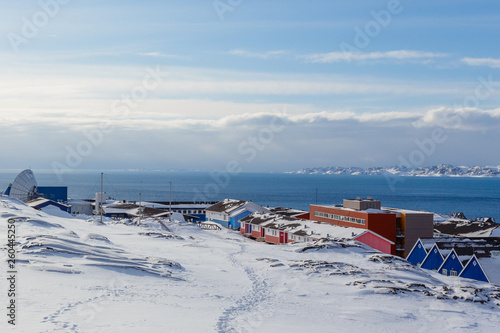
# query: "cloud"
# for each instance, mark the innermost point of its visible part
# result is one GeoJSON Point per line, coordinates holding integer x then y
{"type": "Point", "coordinates": [465, 119]}
{"type": "Point", "coordinates": [261, 55]}
{"type": "Point", "coordinates": [490, 62]}
{"type": "Point", "coordinates": [143, 140]}
{"type": "Point", "coordinates": [89, 82]}
{"type": "Point", "coordinates": [389, 55]}
{"type": "Point", "coordinates": [159, 55]}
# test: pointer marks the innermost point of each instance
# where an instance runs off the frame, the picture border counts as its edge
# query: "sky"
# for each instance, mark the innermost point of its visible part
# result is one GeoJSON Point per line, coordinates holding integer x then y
{"type": "Point", "coordinates": [240, 85]}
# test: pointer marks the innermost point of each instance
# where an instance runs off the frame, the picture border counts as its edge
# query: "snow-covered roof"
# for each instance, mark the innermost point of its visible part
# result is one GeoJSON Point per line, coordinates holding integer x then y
{"type": "Point", "coordinates": [41, 201]}
{"type": "Point", "coordinates": [79, 202]}
{"type": "Point", "coordinates": [491, 266]}
{"type": "Point", "coordinates": [287, 211]}
{"type": "Point", "coordinates": [235, 207]}
{"type": "Point", "coordinates": [495, 232]}
{"type": "Point", "coordinates": [369, 210]}
{"type": "Point", "coordinates": [481, 247]}
{"type": "Point", "coordinates": [301, 227]}
{"type": "Point", "coordinates": [406, 211]}
{"type": "Point", "coordinates": [226, 205]}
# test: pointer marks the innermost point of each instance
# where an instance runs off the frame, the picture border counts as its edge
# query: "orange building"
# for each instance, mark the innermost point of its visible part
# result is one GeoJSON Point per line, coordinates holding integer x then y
{"type": "Point", "coordinates": [403, 227]}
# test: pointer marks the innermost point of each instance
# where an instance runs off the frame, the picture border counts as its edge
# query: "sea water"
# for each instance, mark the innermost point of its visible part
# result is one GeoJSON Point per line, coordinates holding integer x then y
{"type": "Point", "coordinates": [475, 197]}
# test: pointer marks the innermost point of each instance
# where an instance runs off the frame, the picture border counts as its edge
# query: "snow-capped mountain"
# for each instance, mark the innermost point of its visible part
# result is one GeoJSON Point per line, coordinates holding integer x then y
{"type": "Point", "coordinates": [432, 171]}
{"type": "Point", "coordinates": [77, 275]}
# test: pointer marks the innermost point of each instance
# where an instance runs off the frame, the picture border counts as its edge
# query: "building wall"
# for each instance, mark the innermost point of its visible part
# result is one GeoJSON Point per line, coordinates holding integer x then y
{"type": "Point", "coordinates": [473, 270]}
{"type": "Point", "coordinates": [416, 225]}
{"type": "Point", "coordinates": [55, 193]}
{"type": "Point", "coordinates": [85, 209]}
{"type": "Point", "coordinates": [216, 216]}
{"type": "Point", "coordinates": [377, 243]}
{"type": "Point", "coordinates": [417, 256]}
{"type": "Point", "coordinates": [361, 204]}
{"type": "Point", "coordinates": [61, 207]}
{"type": "Point", "coordinates": [272, 236]}
{"type": "Point", "coordinates": [225, 224]}
{"type": "Point", "coordinates": [434, 259]}
{"type": "Point", "coordinates": [234, 221]}
{"type": "Point", "coordinates": [383, 224]}
{"type": "Point", "coordinates": [451, 263]}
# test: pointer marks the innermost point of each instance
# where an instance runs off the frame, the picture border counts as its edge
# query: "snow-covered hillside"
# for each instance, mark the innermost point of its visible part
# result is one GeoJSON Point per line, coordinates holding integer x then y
{"type": "Point", "coordinates": [432, 171]}
{"type": "Point", "coordinates": [78, 275]}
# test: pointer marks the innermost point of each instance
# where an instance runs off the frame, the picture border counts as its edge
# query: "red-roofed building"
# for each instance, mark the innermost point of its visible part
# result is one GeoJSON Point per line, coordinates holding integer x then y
{"type": "Point", "coordinates": [402, 227]}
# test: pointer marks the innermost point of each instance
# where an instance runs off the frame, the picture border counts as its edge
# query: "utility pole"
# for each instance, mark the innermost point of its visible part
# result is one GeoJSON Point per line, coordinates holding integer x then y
{"type": "Point", "coordinates": [170, 202]}
{"type": "Point", "coordinates": [140, 208]}
{"type": "Point", "coordinates": [140, 203]}
{"type": "Point", "coordinates": [102, 195]}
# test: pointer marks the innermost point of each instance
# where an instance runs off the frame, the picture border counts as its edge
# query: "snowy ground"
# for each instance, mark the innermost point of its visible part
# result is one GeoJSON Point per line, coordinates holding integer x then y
{"type": "Point", "coordinates": [81, 276]}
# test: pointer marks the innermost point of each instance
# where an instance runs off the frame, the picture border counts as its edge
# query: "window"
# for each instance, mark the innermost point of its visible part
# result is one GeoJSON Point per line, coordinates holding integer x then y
{"type": "Point", "coordinates": [444, 271]}
{"type": "Point", "coordinates": [453, 273]}
{"type": "Point", "coordinates": [340, 218]}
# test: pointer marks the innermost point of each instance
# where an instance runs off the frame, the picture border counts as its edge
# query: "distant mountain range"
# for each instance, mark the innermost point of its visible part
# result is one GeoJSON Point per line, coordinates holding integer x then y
{"type": "Point", "coordinates": [432, 171]}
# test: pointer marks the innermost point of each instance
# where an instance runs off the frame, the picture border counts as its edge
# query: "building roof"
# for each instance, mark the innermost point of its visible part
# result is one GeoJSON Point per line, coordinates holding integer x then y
{"type": "Point", "coordinates": [483, 247]}
{"type": "Point", "coordinates": [301, 227]}
{"type": "Point", "coordinates": [226, 205]}
{"type": "Point", "coordinates": [465, 228]}
{"type": "Point", "coordinates": [133, 210]}
{"type": "Point", "coordinates": [80, 202]}
{"type": "Point", "coordinates": [287, 211]}
{"type": "Point", "coordinates": [491, 266]}
{"type": "Point", "coordinates": [368, 211]}
{"type": "Point", "coordinates": [407, 211]}
{"type": "Point", "coordinates": [40, 201]}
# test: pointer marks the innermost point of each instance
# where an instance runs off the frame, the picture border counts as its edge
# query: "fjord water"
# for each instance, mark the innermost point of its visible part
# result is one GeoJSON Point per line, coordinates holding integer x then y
{"type": "Point", "coordinates": [476, 197]}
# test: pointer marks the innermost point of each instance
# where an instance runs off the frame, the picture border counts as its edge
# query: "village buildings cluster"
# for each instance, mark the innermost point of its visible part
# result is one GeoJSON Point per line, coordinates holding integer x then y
{"type": "Point", "coordinates": [452, 246]}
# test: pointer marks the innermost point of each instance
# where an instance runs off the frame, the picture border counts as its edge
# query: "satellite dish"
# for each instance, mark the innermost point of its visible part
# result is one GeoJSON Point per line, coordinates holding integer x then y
{"type": "Point", "coordinates": [24, 186]}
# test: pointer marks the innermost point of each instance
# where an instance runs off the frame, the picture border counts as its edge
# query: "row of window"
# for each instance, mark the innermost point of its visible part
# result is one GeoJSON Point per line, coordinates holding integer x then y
{"type": "Point", "coordinates": [340, 218]}
{"type": "Point", "coordinates": [187, 211]}
{"type": "Point", "coordinates": [274, 232]}
{"type": "Point", "coordinates": [444, 271]}
{"type": "Point", "coordinates": [297, 238]}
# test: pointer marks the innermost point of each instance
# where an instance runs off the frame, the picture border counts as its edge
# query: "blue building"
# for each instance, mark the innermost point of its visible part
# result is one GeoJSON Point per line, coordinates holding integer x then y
{"type": "Point", "coordinates": [417, 254]}
{"type": "Point", "coordinates": [229, 212]}
{"type": "Point", "coordinates": [434, 259]}
{"type": "Point", "coordinates": [189, 208]}
{"type": "Point", "coordinates": [472, 258]}
{"type": "Point", "coordinates": [474, 270]}
{"type": "Point", "coordinates": [54, 193]}
{"type": "Point", "coordinates": [42, 204]}
{"type": "Point", "coordinates": [452, 266]}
